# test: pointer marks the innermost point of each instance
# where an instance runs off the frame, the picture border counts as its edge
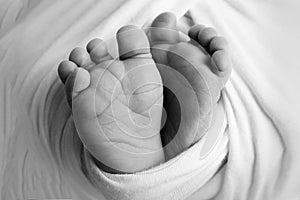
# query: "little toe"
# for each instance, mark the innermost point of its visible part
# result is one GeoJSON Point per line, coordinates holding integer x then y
{"type": "Point", "coordinates": [219, 51]}
{"type": "Point", "coordinates": [81, 58]}
{"type": "Point", "coordinates": [217, 43]}
{"type": "Point", "coordinates": [164, 29]}
{"type": "Point", "coordinates": [132, 42]}
{"type": "Point", "coordinates": [65, 68]}
{"type": "Point", "coordinates": [222, 64]}
{"type": "Point", "coordinates": [76, 82]}
{"type": "Point", "coordinates": [98, 51]}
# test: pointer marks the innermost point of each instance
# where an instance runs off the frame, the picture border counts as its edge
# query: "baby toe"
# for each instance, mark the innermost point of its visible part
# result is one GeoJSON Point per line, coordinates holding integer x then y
{"type": "Point", "coordinates": [164, 29]}
{"type": "Point", "coordinates": [222, 63]}
{"type": "Point", "coordinates": [132, 42]}
{"type": "Point", "coordinates": [98, 51]}
{"type": "Point", "coordinates": [218, 48]}
{"type": "Point", "coordinates": [75, 83]}
{"type": "Point", "coordinates": [80, 57]}
{"type": "Point", "coordinates": [65, 68]}
{"type": "Point", "coordinates": [217, 43]}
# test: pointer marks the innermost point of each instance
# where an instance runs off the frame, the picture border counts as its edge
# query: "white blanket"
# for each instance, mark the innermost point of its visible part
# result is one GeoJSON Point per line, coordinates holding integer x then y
{"type": "Point", "coordinates": [40, 154]}
{"type": "Point", "coordinates": [262, 99]}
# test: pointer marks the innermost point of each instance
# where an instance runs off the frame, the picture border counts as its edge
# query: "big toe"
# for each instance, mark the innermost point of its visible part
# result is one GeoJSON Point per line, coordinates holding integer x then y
{"type": "Point", "coordinates": [164, 29]}
{"type": "Point", "coordinates": [132, 42]}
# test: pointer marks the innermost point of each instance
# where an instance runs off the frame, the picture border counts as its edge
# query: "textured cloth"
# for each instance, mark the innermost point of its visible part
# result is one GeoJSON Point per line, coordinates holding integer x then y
{"type": "Point", "coordinates": [177, 178]}
{"type": "Point", "coordinates": [261, 101]}
{"type": "Point", "coordinates": [39, 148]}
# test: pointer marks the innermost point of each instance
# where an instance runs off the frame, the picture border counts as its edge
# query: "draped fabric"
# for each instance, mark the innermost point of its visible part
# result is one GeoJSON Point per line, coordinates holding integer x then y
{"type": "Point", "coordinates": [40, 153]}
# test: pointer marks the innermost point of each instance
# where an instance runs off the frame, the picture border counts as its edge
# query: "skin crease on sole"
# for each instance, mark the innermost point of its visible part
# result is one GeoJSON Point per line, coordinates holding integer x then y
{"type": "Point", "coordinates": [127, 95]}
{"type": "Point", "coordinates": [84, 67]}
{"type": "Point", "coordinates": [204, 62]}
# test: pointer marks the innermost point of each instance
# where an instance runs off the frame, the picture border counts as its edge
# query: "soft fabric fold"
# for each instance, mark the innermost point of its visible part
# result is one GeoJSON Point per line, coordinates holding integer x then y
{"type": "Point", "coordinates": [176, 179]}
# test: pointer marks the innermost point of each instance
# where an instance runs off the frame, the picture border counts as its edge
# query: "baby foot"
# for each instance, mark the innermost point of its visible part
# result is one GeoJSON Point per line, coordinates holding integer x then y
{"type": "Point", "coordinates": [191, 98]}
{"type": "Point", "coordinates": [116, 104]}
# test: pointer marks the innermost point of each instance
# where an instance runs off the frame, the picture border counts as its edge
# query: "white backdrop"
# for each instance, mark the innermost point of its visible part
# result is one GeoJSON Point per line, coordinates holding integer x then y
{"type": "Point", "coordinates": [39, 154]}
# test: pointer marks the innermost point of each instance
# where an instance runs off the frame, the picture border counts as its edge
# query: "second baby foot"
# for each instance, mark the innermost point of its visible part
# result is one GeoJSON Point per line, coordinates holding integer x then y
{"type": "Point", "coordinates": [200, 68]}
{"type": "Point", "coordinates": [116, 104]}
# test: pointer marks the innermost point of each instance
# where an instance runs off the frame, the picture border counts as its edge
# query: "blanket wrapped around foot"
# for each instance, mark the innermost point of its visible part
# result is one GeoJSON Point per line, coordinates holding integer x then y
{"type": "Point", "coordinates": [256, 157]}
{"type": "Point", "coordinates": [261, 102]}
